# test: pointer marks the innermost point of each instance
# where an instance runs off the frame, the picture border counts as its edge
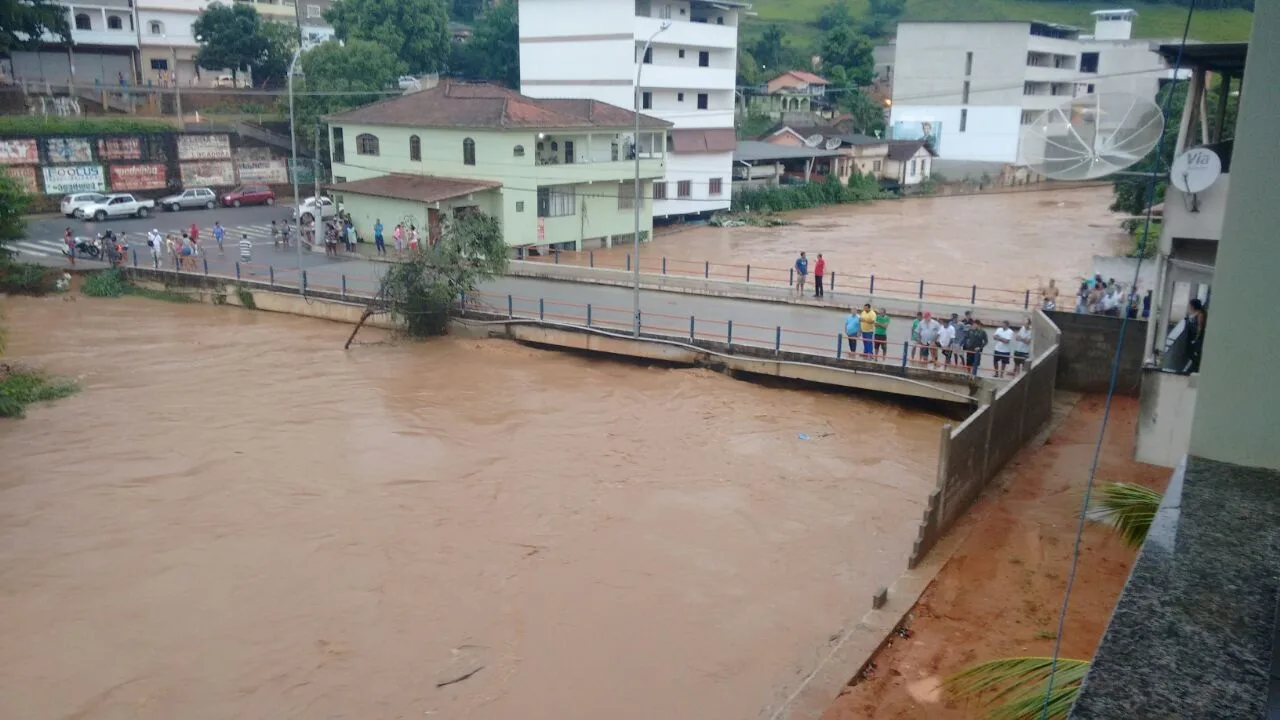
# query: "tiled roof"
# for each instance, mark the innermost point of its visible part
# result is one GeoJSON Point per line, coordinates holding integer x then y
{"type": "Point", "coordinates": [757, 151]}
{"type": "Point", "coordinates": [907, 149]}
{"type": "Point", "coordinates": [806, 77]}
{"type": "Point", "coordinates": [419, 188]}
{"type": "Point", "coordinates": [458, 104]}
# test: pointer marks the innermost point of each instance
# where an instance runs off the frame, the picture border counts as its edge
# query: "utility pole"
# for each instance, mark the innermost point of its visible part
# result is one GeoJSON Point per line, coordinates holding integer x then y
{"type": "Point", "coordinates": [635, 239]}
{"type": "Point", "coordinates": [293, 137]}
{"type": "Point", "coordinates": [315, 156]}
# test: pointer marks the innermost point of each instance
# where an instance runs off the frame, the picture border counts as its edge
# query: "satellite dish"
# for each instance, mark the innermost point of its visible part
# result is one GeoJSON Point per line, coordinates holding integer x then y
{"type": "Point", "coordinates": [813, 140]}
{"type": "Point", "coordinates": [1195, 170]}
{"type": "Point", "coordinates": [831, 143]}
{"type": "Point", "coordinates": [1091, 136]}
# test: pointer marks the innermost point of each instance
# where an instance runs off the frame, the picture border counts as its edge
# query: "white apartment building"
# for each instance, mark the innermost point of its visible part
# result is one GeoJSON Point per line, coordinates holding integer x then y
{"type": "Point", "coordinates": [593, 48]}
{"type": "Point", "coordinates": [103, 48]}
{"type": "Point", "coordinates": [973, 85]}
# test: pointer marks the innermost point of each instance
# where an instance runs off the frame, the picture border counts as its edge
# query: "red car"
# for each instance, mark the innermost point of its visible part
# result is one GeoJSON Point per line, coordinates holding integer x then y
{"type": "Point", "coordinates": [249, 195]}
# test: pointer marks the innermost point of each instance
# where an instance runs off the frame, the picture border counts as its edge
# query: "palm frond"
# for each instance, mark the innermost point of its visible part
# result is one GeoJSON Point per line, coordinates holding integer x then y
{"type": "Point", "coordinates": [1126, 507]}
{"type": "Point", "coordinates": [1014, 688]}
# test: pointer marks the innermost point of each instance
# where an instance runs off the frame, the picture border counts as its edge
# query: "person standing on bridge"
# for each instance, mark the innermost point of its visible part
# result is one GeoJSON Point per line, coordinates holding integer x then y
{"type": "Point", "coordinates": [1049, 296]}
{"type": "Point", "coordinates": [882, 333]}
{"type": "Point", "coordinates": [802, 270]}
{"type": "Point", "coordinates": [852, 329]}
{"type": "Point", "coordinates": [379, 244]}
{"type": "Point", "coordinates": [929, 330]}
{"type": "Point", "coordinates": [867, 324]}
{"type": "Point", "coordinates": [975, 339]}
{"type": "Point", "coordinates": [1004, 339]}
{"type": "Point", "coordinates": [819, 269]}
{"type": "Point", "coordinates": [1022, 346]}
{"type": "Point", "coordinates": [947, 339]}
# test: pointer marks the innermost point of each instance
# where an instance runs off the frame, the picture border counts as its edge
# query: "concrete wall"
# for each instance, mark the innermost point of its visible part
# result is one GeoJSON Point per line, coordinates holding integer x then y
{"type": "Point", "coordinates": [974, 452]}
{"type": "Point", "coordinates": [1164, 420]}
{"type": "Point", "coordinates": [1089, 347]}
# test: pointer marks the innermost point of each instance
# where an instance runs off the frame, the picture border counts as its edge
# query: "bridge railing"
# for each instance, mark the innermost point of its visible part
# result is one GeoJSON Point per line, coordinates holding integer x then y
{"type": "Point", "coordinates": [872, 284]}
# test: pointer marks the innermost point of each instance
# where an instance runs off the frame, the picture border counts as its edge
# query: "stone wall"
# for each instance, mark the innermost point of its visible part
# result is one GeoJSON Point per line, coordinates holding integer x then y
{"type": "Point", "coordinates": [1088, 348]}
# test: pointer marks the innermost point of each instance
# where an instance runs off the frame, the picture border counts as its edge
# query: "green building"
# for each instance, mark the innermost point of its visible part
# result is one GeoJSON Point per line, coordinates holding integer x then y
{"type": "Point", "coordinates": [556, 173]}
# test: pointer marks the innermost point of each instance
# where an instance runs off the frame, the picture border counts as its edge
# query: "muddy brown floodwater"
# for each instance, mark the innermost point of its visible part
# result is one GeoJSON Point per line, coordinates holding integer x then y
{"type": "Point", "coordinates": [237, 519]}
{"type": "Point", "coordinates": [1011, 240]}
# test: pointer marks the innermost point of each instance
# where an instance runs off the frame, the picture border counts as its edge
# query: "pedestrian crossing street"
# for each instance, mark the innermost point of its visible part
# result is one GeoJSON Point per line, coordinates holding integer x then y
{"type": "Point", "coordinates": [258, 234]}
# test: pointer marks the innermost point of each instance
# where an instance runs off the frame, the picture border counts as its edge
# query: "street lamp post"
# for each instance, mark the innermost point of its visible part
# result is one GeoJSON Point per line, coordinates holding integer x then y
{"type": "Point", "coordinates": [635, 238]}
{"type": "Point", "coordinates": [293, 136]}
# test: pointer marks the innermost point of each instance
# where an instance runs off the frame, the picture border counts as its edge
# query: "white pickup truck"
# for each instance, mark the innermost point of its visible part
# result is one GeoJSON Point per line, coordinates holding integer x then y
{"type": "Point", "coordinates": [116, 206]}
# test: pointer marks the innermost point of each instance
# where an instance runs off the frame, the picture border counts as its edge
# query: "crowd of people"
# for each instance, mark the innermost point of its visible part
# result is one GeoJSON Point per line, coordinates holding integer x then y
{"type": "Point", "coordinates": [1096, 296]}
{"type": "Point", "coordinates": [953, 342]}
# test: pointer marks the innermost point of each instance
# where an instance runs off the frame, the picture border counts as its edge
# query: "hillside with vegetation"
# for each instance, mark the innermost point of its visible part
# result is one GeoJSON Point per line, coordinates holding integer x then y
{"type": "Point", "coordinates": [1224, 21]}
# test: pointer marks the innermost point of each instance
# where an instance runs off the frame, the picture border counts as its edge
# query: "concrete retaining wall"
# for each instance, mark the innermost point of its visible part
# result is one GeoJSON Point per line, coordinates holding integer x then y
{"type": "Point", "coordinates": [975, 451]}
{"type": "Point", "coordinates": [1088, 348]}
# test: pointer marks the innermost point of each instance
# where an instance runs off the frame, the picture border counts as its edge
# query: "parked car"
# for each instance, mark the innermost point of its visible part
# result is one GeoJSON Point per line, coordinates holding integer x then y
{"type": "Point", "coordinates": [190, 198]}
{"type": "Point", "coordinates": [408, 82]}
{"type": "Point", "coordinates": [71, 203]}
{"type": "Point", "coordinates": [116, 206]}
{"type": "Point", "coordinates": [307, 212]}
{"type": "Point", "coordinates": [249, 195]}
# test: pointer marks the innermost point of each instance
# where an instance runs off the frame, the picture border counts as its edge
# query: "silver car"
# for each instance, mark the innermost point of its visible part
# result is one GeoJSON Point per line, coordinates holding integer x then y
{"type": "Point", "coordinates": [189, 199]}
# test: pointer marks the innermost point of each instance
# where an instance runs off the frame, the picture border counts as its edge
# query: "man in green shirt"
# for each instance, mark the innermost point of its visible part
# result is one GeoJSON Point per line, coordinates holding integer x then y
{"type": "Point", "coordinates": [882, 333]}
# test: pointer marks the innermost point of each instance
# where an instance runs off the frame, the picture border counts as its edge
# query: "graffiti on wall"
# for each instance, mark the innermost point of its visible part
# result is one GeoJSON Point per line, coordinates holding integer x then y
{"type": "Point", "coordinates": [208, 174]}
{"type": "Point", "coordinates": [68, 151]}
{"type": "Point", "coordinates": [204, 147]}
{"type": "Point", "coordinates": [120, 148]}
{"type": "Point", "coordinates": [138, 177]}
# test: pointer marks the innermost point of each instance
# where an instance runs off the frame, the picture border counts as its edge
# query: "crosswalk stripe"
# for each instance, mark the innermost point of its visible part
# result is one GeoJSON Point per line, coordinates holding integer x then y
{"type": "Point", "coordinates": [37, 248]}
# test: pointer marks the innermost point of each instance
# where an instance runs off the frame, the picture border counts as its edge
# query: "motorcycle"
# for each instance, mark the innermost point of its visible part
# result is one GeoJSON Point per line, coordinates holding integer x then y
{"type": "Point", "coordinates": [87, 248]}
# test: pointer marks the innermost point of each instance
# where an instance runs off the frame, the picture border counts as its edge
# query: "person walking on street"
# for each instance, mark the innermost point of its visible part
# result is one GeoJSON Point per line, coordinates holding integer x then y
{"type": "Point", "coordinates": [397, 236]}
{"type": "Point", "coordinates": [1003, 348]}
{"type": "Point", "coordinates": [246, 248]}
{"type": "Point", "coordinates": [379, 244]}
{"type": "Point", "coordinates": [819, 270]}
{"type": "Point", "coordinates": [852, 328]}
{"type": "Point", "coordinates": [1022, 346]}
{"type": "Point", "coordinates": [70, 241]}
{"type": "Point", "coordinates": [219, 232]}
{"type": "Point", "coordinates": [275, 235]}
{"type": "Point", "coordinates": [975, 340]}
{"type": "Point", "coordinates": [867, 324]}
{"type": "Point", "coordinates": [802, 270]}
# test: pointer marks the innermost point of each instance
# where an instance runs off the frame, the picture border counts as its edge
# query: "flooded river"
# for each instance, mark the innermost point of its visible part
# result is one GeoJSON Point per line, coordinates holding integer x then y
{"type": "Point", "coordinates": [237, 519]}
{"type": "Point", "coordinates": [1012, 240]}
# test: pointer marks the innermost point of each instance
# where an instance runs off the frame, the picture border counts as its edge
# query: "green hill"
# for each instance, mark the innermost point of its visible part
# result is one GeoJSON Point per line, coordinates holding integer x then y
{"type": "Point", "coordinates": [1155, 20]}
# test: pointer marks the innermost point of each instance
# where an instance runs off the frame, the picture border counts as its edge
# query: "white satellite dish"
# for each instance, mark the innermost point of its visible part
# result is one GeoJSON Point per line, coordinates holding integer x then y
{"type": "Point", "coordinates": [1195, 170]}
{"type": "Point", "coordinates": [831, 143]}
{"type": "Point", "coordinates": [1091, 136]}
{"type": "Point", "coordinates": [813, 140]}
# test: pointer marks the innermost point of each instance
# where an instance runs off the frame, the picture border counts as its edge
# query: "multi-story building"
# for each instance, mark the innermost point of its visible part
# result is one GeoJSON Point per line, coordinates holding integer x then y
{"type": "Point", "coordinates": [974, 85]}
{"type": "Point", "coordinates": [103, 48]}
{"type": "Point", "coordinates": [555, 173]}
{"type": "Point", "coordinates": [595, 49]}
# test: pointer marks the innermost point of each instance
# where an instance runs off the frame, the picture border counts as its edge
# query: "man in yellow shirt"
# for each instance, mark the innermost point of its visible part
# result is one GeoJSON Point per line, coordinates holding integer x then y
{"type": "Point", "coordinates": [867, 324]}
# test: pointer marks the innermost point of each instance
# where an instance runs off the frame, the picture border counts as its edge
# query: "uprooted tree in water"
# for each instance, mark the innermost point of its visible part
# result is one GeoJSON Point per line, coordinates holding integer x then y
{"type": "Point", "coordinates": [423, 290]}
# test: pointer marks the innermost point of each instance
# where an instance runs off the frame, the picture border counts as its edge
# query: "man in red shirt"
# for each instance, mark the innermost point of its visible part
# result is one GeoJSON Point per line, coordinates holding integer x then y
{"type": "Point", "coordinates": [819, 269]}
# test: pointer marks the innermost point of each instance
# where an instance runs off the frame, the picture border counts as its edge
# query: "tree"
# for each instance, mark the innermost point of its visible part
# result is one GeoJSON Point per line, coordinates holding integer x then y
{"type": "Point", "coordinates": [273, 67]}
{"type": "Point", "coordinates": [22, 22]}
{"type": "Point", "coordinates": [230, 37]}
{"type": "Point", "coordinates": [835, 14]}
{"type": "Point", "coordinates": [845, 47]}
{"type": "Point", "coordinates": [493, 52]}
{"type": "Point", "coordinates": [774, 55]}
{"type": "Point", "coordinates": [467, 10]}
{"type": "Point", "coordinates": [415, 31]}
{"type": "Point", "coordinates": [748, 68]}
{"type": "Point", "coordinates": [14, 200]}
{"type": "Point", "coordinates": [358, 66]}
{"type": "Point", "coordinates": [883, 16]}
{"type": "Point", "coordinates": [424, 290]}
{"type": "Point", "coordinates": [867, 115]}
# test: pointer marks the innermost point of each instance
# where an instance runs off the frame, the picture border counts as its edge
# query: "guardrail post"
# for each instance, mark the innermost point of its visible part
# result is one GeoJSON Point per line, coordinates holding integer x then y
{"type": "Point", "coordinates": [237, 271]}
{"type": "Point", "coordinates": [510, 308]}
{"type": "Point", "coordinates": [206, 266]}
{"type": "Point", "coordinates": [748, 273]}
{"type": "Point", "coordinates": [588, 314]}
{"type": "Point", "coordinates": [1026, 300]}
{"type": "Point", "coordinates": [304, 281]}
{"type": "Point", "coordinates": [791, 278]}
{"type": "Point", "coordinates": [977, 364]}
{"type": "Point", "coordinates": [462, 296]}
{"type": "Point", "coordinates": [839, 345]}
{"type": "Point", "coordinates": [628, 262]}
{"type": "Point", "coordinates": [872, 289]}
{"type": "Point", "coordinates": [271, 270]}
{"type": "Point", "coordinates": [904, 353]}
{"type": "Point", "coordinates": [692, 335]}
{"type": "Point", "coordinates": [556, 253]}
{"type": "Point", "coordinates": [729, 336]}
{"type": "Point", "coordinates": [135, 258]}
{"type": "Point", "coordinates": [777, 341]}
{"type": "Point", "coordinates": [706, 269]}
{"type": "Point", "coordinates": [973, 295]}
{"type": "Point", "coordinates": [591, 258]}
{"type": "Point", "coordinates": [344, 285]}
{"type": "Point", "coordinates": [921, 288]}
{"type": "Point", "coordinates": [542, 310]}
{"type": "Point", "coordinates": [664, 264]}
{"type": "Point", "coordinates": [177, 263]}
{"type": "Point", "coordinates": [833, 281]}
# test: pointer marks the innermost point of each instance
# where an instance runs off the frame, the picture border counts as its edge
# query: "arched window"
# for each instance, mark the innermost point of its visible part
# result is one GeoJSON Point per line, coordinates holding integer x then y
{"type": "Point", "coordinates": [114, 22]}
{"type": "Point", "coordinates": [415, 148]}
{"type": "Point", "coordinates": [519, 151]}
{"type": "Point", "coordinates": [156, 27]}
{"type": "Point", "coordinates": [82, 22]}
{"type": "Point", "coordinates": [468, 152]}
{"type": "Point", "coordinates": [366, 144]}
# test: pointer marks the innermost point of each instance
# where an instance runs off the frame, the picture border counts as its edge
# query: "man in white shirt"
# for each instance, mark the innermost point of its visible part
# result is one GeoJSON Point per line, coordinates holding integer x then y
{"type": "Point", "coordinates": [929, 329]}
{"type": "Point", "coordinates": [1021, 346]}
{"type": "Point", "coordinates": [946, 340]}
{"type": "Point", "coordinates": [155, 241]}
{"type": "Point", "coordinates": [1003, 347]}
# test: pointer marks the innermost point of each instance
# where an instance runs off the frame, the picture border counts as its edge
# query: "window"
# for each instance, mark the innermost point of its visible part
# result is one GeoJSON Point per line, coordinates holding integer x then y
{"type": "Point", "coordinates": [719, 19]}
{"type": "Point", "coordinates": [715, 187]}
{"type": "Point", "coordinates": [913, 169]}
{"type": "Point", "coordinates": [366, 144]}
{"type": "Point", "coordinates": [556, 202]}
{"type": "Point", "coordinates": [468, 152]}
{"type": "Point", "coordinates": [518, 151]}
{"type": "Point", "coordinates": [114, 23]}
{"type": "Point", "coordinates": [155, 28]}
{"type": "Point", "coordinates": [82, 22]}
{"type": "Point", "coordinates": [1029, 116]}
{"type": "Point", "coordinates": [968, 63]}
{"type": "Point", "coordinates": [1089, 88]}
{"type": "Point", "coordinates": [702, 101]}
{"type": "Point", "coordinates": [159, 64]}
{"type": "Point", "coordinates": [665, 12]}
{"type": "Point", "coordinates": [704, 58]}
{"type": "Point", "coordinates": [648, 56]}
{"type": "Point", "coordinates": [313, 11]}
{"type": "Point", "coordinates": [337, 150]}
{"type": "Point", "coordinates": [659, 190]}
{"type": "Point", "coordinates": [339, 178]}
{"type": "Point", "coordinates": [646, 100]}
{"type": "Point", "coordinates": [519, 206]}
{"type": "Point", "coordinates": [684, 188]}
{"type": "Point", "coordinates": [964, 118]}
{"type": "Point", "coordinates": [626, 196]}
{"type": "Point", "coordinates": [415, 148]}
{"type": "Point", "coordinates": [681, 53]}
{"type": "Point", "coordinates": [1089, 62]}
{"type": "Point", "coordinates": [964, 93]}
{"type": "Point", "coordinates": [568, 152]}
{"type": "Point", "coordinates": [679, 97]}
{"type": "Point", "coordinates": [876, 165]}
